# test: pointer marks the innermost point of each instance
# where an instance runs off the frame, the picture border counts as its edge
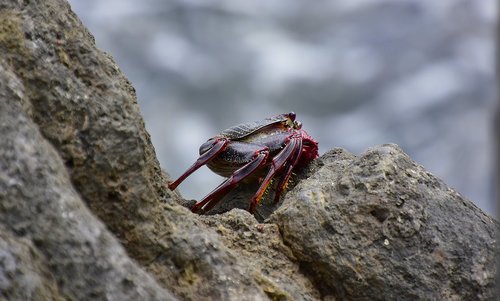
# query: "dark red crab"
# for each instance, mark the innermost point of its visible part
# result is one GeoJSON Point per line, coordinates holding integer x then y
{"type": "Point", "coordinates": [277, 144]}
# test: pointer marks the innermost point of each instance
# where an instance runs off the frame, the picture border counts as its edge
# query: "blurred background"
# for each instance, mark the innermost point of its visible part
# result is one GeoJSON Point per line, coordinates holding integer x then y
{"type": "Point", "coordinates": [357, 72]}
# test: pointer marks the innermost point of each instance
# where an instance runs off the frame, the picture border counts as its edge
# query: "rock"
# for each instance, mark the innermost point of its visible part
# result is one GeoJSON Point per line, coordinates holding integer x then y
{"type": "Point", "coordinates": [261, 248]}
{"type": "Point", "coordinates": [379, 227]}
{"type": "Point", "coordinates": [51, 246]}
{"type": "Point", "coordinates": [24, 274]}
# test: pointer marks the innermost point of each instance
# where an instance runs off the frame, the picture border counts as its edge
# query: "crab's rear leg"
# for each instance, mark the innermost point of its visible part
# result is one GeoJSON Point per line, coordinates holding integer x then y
{"type": "Point", "coordinates": [258, 160]}
{"type": "Point", "coordinates": [287, 154]}
{"type": "Point", "coordinates": [218, 146]}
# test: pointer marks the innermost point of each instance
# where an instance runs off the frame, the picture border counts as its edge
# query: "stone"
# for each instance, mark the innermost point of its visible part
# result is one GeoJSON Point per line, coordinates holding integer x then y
{"type": "Point", "coordinates": [24, 274]}
{"type": "Point", "coordinates": [51, 245]}
{"type": "Point", "coordinates": [380, 227]}
{"type": "Point", "coordinates": [261, 248]}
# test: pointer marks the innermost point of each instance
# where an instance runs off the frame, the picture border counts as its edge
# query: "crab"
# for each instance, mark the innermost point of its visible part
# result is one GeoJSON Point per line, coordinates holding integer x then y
{"type": "Point", "coordinates": [273, 147]}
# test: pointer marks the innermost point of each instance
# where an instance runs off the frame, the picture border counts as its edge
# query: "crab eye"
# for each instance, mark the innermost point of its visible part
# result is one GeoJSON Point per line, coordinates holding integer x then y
{"type": "Point", "coordinates": [297, 125]}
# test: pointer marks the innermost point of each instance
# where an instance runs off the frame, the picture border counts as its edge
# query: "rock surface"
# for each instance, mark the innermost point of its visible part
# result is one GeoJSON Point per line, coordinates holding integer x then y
{"type": "Point", "coordinates": [23, 273]}
{"type": "Point", "coordinates": [379, 227]}
{"type": "Point", "coordinates": [84, 212]}
{"type": "Point", "coordinates": [51, 246]}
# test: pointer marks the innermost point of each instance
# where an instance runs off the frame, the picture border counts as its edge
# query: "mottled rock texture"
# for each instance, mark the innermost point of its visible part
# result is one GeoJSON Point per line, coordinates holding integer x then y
{"type": "Point", "coordinates": [380, 227]}
{"type": "Point", "coordinates": [51, 246]}
{"type": "Point", "coordinates": [85, 215]}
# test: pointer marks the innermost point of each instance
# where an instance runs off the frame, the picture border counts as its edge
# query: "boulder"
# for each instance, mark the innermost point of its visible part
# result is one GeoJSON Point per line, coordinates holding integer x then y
{"type": "Point", "coordinates": [51, 246]}
{"type": "Point", "coordinates": [380, 227]}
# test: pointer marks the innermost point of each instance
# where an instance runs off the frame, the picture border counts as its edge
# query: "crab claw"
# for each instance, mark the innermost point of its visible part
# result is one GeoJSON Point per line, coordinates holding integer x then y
{"type": "Point", "coordinates": [218, 145]}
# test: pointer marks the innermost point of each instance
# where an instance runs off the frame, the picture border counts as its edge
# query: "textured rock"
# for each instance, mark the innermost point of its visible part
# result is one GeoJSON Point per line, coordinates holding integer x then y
{"type": "Point", "coordinates": [379, 227]}
{"type": "Point", "coordinates": [23, 273]}
{"type": "Point", "coordinates": [262, 250]}
{"type": "Point", "coordinates": [55, 238]}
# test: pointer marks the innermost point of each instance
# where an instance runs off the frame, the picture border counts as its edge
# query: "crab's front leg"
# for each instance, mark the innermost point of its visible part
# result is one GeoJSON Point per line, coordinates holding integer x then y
{"type": "Point", "coordinates": [219, 144]}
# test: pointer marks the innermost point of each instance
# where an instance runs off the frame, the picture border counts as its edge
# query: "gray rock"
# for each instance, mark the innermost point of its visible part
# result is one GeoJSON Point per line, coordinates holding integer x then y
{"type": "Point", "coordinates": [261, 248]}
{"type": "Point", "coordinates": [24, 274]}
{"type": "Point", "coordinates": [379, 227]}
{"type": "Point", "coordinates": [51, 246]}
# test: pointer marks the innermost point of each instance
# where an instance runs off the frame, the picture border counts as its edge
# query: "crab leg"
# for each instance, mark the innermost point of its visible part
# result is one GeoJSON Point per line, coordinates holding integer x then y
{"type": "Point", "coordinates": [284, 180]}
{"type": "Point", "coordinates": [216, 148]}
{"type": "Point", "coordinates": [213, 197]}
{"type": "Point", "coordinates": [276, 164]}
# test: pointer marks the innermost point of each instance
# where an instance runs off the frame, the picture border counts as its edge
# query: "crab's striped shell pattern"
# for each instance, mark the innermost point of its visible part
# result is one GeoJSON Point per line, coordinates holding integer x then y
{"type": "Point", "coordinates": [241, 131]}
